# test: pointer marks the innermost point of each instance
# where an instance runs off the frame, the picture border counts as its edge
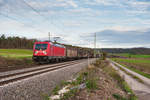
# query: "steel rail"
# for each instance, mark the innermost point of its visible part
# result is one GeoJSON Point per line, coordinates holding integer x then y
{"type": "Point", "coordinates": [35, 69]}
{"type": "Point", "coordinates": [6, 79]}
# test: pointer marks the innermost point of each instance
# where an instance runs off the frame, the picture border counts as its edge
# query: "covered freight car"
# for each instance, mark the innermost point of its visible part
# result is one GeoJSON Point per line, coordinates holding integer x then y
{"type": "Point", "coordinates": [88, 52]}
{"type": "Point", "coordinates": [71, 52]}
{"type": "Point", "coordinates": [82, 52]}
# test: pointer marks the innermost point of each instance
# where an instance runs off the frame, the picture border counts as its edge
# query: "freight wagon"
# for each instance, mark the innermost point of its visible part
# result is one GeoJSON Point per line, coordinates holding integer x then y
{"type": "Point", "coordinates": [71, 52]}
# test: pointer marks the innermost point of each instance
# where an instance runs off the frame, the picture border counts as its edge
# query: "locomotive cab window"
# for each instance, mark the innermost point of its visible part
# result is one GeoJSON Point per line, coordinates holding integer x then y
{"type": "Point", "coordinates": [41, 46]}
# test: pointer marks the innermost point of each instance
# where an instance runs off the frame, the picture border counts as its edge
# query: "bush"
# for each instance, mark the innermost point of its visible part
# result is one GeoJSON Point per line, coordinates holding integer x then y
{"type": "Point", "coordinates": [91, 84]}
{"type": "Point", "coordinates": [104, 55]}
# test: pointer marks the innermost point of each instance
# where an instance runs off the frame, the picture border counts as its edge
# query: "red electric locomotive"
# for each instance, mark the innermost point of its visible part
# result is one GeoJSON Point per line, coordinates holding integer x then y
{"type": "Point", "coordinates": [48, 51]}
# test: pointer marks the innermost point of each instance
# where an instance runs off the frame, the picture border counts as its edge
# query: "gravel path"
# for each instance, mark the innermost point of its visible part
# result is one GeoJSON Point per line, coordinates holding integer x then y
{"type": "Point", "coordinates": [34, 87]}
{"type": "Point", "coordinates": [144, 79]}
{"type": "Point", "coordinates": [140, 89]}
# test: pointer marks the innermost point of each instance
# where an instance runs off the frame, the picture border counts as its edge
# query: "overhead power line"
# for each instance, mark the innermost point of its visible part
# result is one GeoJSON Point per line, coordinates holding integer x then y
{"type": "Point", "coordinates": [35, 10]}
{"type": "Point", "coordinates": [11, 18]}
{"type": "Point", "coordinates": [57, 19]}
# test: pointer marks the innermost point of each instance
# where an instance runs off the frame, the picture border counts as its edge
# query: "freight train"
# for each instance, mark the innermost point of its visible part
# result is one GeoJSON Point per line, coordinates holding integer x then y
{"type": "Point", "coordinates": [50, 52]}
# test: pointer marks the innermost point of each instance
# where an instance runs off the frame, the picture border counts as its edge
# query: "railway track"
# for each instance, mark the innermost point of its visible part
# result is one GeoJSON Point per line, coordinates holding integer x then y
{"type": "Point", "coordinates": [12, 68]}
{"type": "Point", "coordinates": [16, 76]}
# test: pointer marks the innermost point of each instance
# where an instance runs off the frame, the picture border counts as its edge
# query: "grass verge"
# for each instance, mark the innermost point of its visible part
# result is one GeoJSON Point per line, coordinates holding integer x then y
{"type": "Point", "coordinates": [133, 76]}
{"type": "Point", "coordinates": [133, 69]}
{"type": "Point", "coordinates": [138, 71]}
{"type": "Point", "coordinates": [87, 78]}
{"type": "Point", "coordinates": [97, 84]}
{"type": "Point", "coordinates": [119, 80]}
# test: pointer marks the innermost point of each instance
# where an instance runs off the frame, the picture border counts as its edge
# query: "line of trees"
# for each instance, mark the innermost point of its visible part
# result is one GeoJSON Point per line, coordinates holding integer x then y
{"type": "Point", "coordinates": [12, 42]}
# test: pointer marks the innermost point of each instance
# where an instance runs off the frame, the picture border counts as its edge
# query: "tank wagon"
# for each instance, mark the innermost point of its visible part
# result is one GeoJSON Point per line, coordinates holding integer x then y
{"type": "Point", "coordinates": [49, 52]}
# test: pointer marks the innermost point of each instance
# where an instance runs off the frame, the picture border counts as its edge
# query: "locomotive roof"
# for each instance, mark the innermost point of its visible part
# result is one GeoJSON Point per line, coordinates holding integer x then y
{"type": "Point", "coordinates": [59, 45]}
{"type": "Point", "coordinates": [55, 44]}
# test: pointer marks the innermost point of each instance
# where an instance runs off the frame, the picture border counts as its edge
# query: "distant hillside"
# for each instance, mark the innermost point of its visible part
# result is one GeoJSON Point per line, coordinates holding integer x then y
{"type": "Point", "coordinates": [129, 50]}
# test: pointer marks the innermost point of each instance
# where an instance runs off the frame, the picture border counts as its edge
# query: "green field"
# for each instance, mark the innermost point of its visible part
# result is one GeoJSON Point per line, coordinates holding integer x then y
{"type": "Point", "coordinates": [132, 55]}
{"type": "Point", "coordinates": [16, 53]}
{"type": "Point", "coordinates": [139, 65]}
{"type": "Point", "coordinates": [134, 61]}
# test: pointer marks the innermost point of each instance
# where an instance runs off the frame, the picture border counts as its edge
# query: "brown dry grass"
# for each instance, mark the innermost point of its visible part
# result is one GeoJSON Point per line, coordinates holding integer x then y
{"type": "Point", "coordinates": [141, 64]}
{"type": "Point", "coordinates": [11, 64]}
{"type": "Point", "coordinates": [107, 86]}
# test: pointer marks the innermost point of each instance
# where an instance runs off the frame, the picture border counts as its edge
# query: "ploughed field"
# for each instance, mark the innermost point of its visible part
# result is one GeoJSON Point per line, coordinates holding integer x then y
{"type": "Point", "coordinates": [16, 53]}
{"type": "Point", "coordinates": [136, 63]}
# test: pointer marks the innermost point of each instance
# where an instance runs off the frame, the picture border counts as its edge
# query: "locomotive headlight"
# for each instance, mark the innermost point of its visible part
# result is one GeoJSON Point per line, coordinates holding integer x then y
{"type": "Point", "coordinates": [36, 52]}
{"type": "Point", "coordinates": [45, 52]}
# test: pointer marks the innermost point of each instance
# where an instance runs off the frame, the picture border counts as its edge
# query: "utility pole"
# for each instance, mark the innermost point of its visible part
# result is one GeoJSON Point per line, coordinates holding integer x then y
{"type": "Point", "coordinates": [95, 41]}
{"type": "Point", "coordinates": [95, 45]}
{"type": "Point", "coordinates": [49, 35]}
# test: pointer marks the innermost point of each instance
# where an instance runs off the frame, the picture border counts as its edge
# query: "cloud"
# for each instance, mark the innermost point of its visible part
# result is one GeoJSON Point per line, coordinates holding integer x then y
{"type": "Point", "coordinates": [72, 3]}
{"type": "Point", "coordinates": [73, 23]}
{"type": "Point", "coordinates": [80, 10]}
{"type": "Point", "coordinates": [114, 20]}
{"type": "Point", "coordinates": [106, 2]}
{"type": "Point", "coordinates": [139, 5]}
{"type": "Point", "coordinates": [123, 28]}
{"type": "Point", "coordinates": [130, 38]}
{"type": "Point", "coordinates": [132, 6]}
{"type": "Point", "coordinates": [13, 27]}
{"type": "Point", "coordinates": [50, 4]}
{"type": "Point", "coordinates": [47, 4]}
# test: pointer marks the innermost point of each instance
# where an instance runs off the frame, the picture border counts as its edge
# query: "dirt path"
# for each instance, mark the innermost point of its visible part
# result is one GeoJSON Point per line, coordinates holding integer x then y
{"type": "Point", "coordinates": [140, 89]}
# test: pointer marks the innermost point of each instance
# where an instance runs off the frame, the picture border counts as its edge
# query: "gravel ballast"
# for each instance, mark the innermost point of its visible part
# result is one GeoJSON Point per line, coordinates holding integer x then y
{"type": "Point", "coordinates": [35, 87]}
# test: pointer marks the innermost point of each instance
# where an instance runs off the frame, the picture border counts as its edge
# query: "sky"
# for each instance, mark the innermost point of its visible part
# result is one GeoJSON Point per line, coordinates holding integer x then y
{"type": "Point", "coordinates": [117, 23]}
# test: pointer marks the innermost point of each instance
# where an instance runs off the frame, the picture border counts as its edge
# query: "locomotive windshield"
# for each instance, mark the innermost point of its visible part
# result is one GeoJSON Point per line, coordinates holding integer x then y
{"type": "Point", "coordinates": [41, 46]}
